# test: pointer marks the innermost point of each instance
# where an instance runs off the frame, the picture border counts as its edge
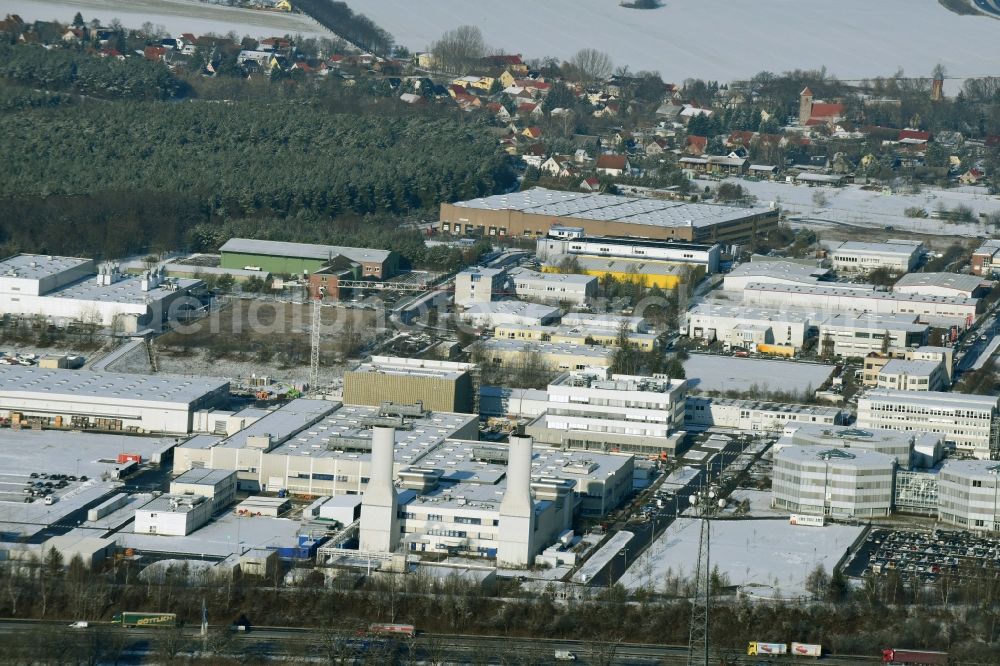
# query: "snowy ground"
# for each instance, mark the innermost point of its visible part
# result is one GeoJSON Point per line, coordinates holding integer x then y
{"type": "Point", "coordinates": [763, 552]}
{"type": "Point", "coordinates": [760, 503]}
{"type": "Point", "coordinates": [706, 372]}
{"type": "Point", "coordinates": [695, 38]}
{"type": "Point", "coordinates": [175, 16]}
{"type": "Point", "coordinates": [851, 206]}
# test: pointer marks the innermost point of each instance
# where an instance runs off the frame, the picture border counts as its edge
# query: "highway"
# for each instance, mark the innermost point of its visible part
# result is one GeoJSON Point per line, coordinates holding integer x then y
{"type": "Point", "coordinates": [275, 643]}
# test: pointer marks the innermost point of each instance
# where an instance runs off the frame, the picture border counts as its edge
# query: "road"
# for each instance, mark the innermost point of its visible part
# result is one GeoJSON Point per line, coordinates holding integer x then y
{"type": "Point", "coordinates": [965, 358]}
{"type": "Point", "coordinates": [272, 643]}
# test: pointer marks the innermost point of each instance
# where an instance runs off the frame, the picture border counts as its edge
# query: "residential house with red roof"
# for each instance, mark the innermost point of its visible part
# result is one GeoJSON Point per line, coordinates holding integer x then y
{"type": "Point", "coordinates": [695, 145]}
{"type": "Point", "coordinates": [590, 184]}
{"type": "Point", "coordinates": [913, 137]}
{"type": "Point", "coordinates": [154, 53]}
{"type": "Point", "coordinates": [613, 165]}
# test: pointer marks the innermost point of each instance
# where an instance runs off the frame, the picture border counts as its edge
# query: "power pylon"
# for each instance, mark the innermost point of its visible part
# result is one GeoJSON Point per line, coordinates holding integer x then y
{"type": "Point", "coordinates": [706, 503]}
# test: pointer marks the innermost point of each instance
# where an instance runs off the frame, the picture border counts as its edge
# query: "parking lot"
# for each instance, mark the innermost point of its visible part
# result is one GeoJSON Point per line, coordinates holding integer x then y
{"type": "Point", "coordinates": [37, 486]}
{"type": "Point", "coordinates": [925, 557]}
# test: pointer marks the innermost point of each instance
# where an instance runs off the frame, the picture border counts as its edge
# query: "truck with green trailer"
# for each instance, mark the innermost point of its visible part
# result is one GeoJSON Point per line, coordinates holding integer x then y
{"type": "Point", "coordinates": [132, 619]}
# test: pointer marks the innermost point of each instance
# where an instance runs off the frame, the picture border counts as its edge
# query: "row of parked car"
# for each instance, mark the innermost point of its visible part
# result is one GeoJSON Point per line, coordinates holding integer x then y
{"type": "Point", "coordinates": [41, 485]}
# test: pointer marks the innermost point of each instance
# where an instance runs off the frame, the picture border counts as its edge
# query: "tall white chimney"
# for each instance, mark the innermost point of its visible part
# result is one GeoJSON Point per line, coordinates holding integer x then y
{"type": "Point", "coordinates": [379, 505]}
{"type": "Point", "coordinates": [517, 510]}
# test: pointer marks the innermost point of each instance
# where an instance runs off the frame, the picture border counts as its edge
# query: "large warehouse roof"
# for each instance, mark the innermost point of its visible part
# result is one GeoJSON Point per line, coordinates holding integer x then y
{"type": "Point", "coordinates": [128, 290]}
{"type": "Point", "coordinates": [113, 387]}
{"type": "Point", "coordinates": [38, 266]}
{"type": "Point", "coordinates": [302, 250]}
{"type": "Point", "coordinates": [611, 208]}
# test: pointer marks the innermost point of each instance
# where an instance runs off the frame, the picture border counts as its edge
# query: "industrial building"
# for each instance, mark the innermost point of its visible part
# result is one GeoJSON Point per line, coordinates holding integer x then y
{"type": "Point", "coordinates": [440, 386]}
{"type": "Point", "coordinates": [942, 310]}
{"type": "Point", "coordinates": [534, 212]}
{"type": "Point", "coordinates": [701, 413]}
{"type": "Point", "coordinates": [496, 313]}
{"type": "Point", "coordinates": [986, 258]}
{"type": "Point", "coordinates": [554, 249]}
{"type": "Point", "coordinates": [942, 284]}
{"type": "Point", "coordinates": [753, 329]}
{"type": "Point", "coordinates": [574, 335]}
{"type": "Point", "coordinates": [875, 361]}
{"type": "Point", "coordinates": [851, 483]}
{"type": "Point", "coordinates": [857, 335]}
{"type": "Point", "coordinates": [646, 272]}
{"type": "Point", "coordinates": [507, 502]}
{"type": "Point", "coordinates": [100, 400]}
{"type": "Point", "coordinates": [70, 289]}
{"type": "Point", "coordinates": [480, 285]}
{"type": "Point", "coordinates": [918, 449]}
{"type": "Point", "coordinates": [895, 255]}
{"type": "Point", "coordinates": [173, 515]}
{"type": "Point", "coordinates": [773, 272]}
{"type": "Point", "coordinates": [553, 288]}
{"type": "Point", "coordinates": [607, 320]}
{"type": "Point", "coordinates": [281, 258]}
{"type": "Point", "coordinates": [217, 485]}
{"type": "Point", "coordinates": [968, 492]}
{"type": "Point", "coordinates": [550, 355]}
{"type": "Point", "coordinates": [317, 447]}
{"type": "Point", "coordinates": [906, 375]}
{"type": "Point", "coordinates": [967, 421]}
{"type": "Point", "coordinates": [624, 413]}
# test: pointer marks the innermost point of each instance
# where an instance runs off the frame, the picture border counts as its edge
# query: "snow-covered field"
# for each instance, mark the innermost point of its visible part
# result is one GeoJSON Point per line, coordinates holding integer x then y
{"type": "Point", "coordinates": [851, 206]}
{"type": "Point", "coordinates": [176, 16]}
{"type": "Point", "coordinates": [762, 552]}
{"type": "Point", "coordinates": [721, 373]}
{"type": "Point", "coordinates": [716, 39]}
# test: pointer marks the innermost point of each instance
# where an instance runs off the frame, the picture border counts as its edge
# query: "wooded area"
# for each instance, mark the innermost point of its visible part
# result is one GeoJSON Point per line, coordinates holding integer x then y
{"type": "Point", "coordinates": [112, 178]}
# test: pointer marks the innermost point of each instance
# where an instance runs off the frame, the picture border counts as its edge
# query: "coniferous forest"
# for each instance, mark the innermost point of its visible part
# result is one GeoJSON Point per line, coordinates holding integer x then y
{"type": "Point", "coordinates": [111, 158]}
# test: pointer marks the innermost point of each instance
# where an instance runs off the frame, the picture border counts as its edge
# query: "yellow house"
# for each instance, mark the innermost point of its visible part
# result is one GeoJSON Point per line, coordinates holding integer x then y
{"type": "Point", "coordinates": [426, 60]}
{"type": "Point", "coordinates": [507, 79]}
{"type": "Point", "coordinates": [283, 5]}
{"type": "Point", "coordinates": [484, 83]}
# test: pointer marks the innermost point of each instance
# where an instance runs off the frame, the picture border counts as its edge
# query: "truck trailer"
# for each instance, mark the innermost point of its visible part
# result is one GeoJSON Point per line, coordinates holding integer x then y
{"type": "Point", "coordinates": [806, 650]}
{"type": "Point", "coordinates": [757, 649]}
{"type": "Point", "coordinates": [132, 619]}
{"type": "Point", "coordinates": [407, 630]}
{"type": "Point", "coordinates": [899, 657]}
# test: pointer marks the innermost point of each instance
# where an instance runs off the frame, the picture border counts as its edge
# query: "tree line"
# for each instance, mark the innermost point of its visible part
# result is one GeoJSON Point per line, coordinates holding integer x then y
{"type": "Point", "coordinates": [355, 28]}
{"type": "Point", "coordinates": [958, 617]}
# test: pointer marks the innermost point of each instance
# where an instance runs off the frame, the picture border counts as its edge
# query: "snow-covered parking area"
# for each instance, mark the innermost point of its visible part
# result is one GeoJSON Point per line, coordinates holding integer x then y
{"type": "Point", "coordinates": [770, 553]}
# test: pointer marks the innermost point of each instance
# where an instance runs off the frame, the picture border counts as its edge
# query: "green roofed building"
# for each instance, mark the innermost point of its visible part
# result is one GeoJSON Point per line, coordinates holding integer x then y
{"type": "Point", "coordinates": [296, 258]}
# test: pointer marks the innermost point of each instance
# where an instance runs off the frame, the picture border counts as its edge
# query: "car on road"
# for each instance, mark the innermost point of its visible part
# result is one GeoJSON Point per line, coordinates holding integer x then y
{"type": "Point", "coordinates": [79, 624]}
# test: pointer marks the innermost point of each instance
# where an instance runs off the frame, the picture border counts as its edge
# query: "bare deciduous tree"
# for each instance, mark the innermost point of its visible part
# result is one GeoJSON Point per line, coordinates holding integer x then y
{"type": "Point", "coordinates": [592, 65]}
{"type": "Point", "coordinates": [459, 48]}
